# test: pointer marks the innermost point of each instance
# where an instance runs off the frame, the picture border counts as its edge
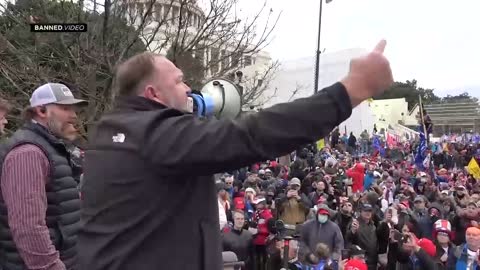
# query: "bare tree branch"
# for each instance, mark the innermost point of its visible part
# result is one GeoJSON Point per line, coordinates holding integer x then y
{"type": "Point", "coordinates": [295, 91]}
{"type": "Point", "coordinates": [213, 37]}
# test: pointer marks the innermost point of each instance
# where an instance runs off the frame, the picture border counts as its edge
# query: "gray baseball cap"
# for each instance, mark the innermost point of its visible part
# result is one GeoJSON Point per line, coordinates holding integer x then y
{"type": "Point", "coordinates": [53, 93]}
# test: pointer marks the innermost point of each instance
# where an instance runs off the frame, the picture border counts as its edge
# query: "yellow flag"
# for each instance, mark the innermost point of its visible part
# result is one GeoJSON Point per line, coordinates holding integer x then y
{"type": "Point", "coordinates": [445, 147]}
{"type": "Point", "coordinates": [473, 168]}
{"type": "Point", "coordinates": [321, 144]}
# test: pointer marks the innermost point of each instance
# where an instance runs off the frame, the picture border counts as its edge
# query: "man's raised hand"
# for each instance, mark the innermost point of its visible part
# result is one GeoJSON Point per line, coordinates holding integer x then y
{"type": "Point", "coordinates": [369, 75]}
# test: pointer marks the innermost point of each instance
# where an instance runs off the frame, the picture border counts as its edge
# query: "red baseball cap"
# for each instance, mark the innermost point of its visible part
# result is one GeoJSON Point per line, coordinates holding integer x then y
{"type": "Point", "coordinates": [428, 246]}
{"type": "Point", "coordinates": [355, 265]}
{"type": "Point", "coordinates": [323, 211]}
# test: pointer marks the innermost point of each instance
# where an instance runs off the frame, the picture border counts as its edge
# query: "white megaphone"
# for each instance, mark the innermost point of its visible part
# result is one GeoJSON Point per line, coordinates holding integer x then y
{"type": "Point", "coordinates": [220, 98]}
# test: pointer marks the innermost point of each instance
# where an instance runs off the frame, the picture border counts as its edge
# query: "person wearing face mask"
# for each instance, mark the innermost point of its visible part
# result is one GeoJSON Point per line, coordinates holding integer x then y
{"type": "Point", "coordinates": [321, 230]}
{"type": "Point", "coordinates": [168, 156]}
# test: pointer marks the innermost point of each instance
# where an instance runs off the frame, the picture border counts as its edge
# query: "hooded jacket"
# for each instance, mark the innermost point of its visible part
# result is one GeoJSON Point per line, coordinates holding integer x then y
{"type": "Point", "coordinates": [368, 181]}
{"type": "Point", "coordinates": [357, 173]}
{"type": "Point", "coordinates": [313, 232]}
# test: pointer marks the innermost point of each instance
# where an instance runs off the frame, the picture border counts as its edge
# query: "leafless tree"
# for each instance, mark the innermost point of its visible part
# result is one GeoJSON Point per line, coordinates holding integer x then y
{"type": "Point", "coordinates": [185, 27]}
{"type": "Point", "coordinates": [298, 88]}
{"type": "Point", "coordinates": [212, 34]}
{"type": "Point", "coordinates": [256, 88]}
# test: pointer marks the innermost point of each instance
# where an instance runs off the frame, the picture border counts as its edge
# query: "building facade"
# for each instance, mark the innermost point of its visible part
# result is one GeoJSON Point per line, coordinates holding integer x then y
{"type": "Point", "coordinates": [462, 116]}
{"type": "Point", "coordinates": [390, 112]}
{"type": "Point", "coordinates": [162, 22]}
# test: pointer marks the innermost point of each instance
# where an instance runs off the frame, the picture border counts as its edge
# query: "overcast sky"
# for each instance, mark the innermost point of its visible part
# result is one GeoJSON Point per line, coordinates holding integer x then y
{"type": "Point", "coordinates": [436, 42]}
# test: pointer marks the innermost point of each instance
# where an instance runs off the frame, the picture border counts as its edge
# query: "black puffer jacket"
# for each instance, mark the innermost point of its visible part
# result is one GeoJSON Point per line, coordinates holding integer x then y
{"type": "Point", "coordinates": [239, 242]}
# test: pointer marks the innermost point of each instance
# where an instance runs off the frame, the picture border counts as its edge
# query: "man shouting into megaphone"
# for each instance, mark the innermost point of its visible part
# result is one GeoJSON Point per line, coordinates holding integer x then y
{"type": "Point", "coordinates": [149, 198]}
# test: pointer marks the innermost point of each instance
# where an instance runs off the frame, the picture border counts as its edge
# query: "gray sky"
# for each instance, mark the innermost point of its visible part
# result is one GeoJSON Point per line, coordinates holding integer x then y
{"type": "Point", "coordinates": [433, 41]}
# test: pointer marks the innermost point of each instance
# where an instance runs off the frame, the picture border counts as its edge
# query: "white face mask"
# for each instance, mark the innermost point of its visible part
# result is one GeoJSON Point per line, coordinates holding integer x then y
{"type": "Point", "coordinates": [322, 218]}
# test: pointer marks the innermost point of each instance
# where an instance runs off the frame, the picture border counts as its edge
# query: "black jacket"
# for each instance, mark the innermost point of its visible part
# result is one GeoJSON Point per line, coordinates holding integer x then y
{"type": "Point", "coordinates": [240, 243]}
{"type": "Point", "coordinates": [149, 198]}
{"type": "Point", "coordinates": [366, 238]}
{"type": "Point", "coordinates": [425, 261]}
{"type": "Point", "coordinates": [343, 222]}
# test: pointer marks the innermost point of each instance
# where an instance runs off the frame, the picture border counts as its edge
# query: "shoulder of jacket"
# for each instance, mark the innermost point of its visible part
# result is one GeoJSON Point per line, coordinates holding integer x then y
{"type": "Point", "coordinates": [308, 223]}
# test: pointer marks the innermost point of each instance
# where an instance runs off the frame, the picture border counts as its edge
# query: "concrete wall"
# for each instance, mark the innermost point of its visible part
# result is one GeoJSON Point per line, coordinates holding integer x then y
{"type": "Point", "coordinates": [391, 111]}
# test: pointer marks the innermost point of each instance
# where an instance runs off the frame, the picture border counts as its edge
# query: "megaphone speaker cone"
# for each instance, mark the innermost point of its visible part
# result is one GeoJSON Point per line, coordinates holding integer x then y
{"type": "Point", "coordinates": [221, 98]}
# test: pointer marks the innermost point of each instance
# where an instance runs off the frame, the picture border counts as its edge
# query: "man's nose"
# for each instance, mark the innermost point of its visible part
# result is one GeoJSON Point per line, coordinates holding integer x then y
{"type": "Point", "coordinates": [74, 115]}
{"type": "Point", "coordinates": [187, 89]}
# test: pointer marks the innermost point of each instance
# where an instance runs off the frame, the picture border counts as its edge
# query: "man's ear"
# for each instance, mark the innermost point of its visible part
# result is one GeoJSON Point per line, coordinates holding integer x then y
{"type": "Point", "coordinates": [149, 92]}
{"type": "Point", "coordinates": [41, 111]}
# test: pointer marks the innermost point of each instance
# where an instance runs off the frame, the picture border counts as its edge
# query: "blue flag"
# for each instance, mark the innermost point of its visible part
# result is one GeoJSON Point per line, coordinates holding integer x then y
{"type": "Point", "coordinates": [421, 152]}
{"type": "Point", "coordinates": [476, 139]}
{"type": "Point", "coordinates": [378, 146]}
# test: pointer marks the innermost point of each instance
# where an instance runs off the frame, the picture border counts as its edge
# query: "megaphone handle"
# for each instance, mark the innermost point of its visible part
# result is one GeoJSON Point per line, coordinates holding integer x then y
{"type": "Point", "coordinates": [223, 97]}
{"type": "Point", "coordinates": [200, 105]}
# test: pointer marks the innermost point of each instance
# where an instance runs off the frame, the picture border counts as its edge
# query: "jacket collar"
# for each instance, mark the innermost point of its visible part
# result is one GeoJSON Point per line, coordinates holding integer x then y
{"type": "Point", "coordinates": [137, 103]}
{"type": "Point", "coordinates": [42, 131]}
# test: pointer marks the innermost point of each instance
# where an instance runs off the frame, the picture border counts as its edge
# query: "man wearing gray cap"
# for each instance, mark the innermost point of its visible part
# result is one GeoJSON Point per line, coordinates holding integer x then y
{"type": "Point", "coordinates": [38, 187]}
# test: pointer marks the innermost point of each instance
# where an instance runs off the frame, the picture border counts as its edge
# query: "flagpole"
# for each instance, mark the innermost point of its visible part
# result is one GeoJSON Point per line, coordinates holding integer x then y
{"type": "Point", "coordinates": [427, 138]}
{"type": "Point", "coordinates": [422, 118]}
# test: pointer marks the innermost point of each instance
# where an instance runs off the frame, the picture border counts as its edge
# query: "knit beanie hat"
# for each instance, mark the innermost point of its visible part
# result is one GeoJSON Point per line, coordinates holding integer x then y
{"type": "Point", "coordinates": [442, 225]}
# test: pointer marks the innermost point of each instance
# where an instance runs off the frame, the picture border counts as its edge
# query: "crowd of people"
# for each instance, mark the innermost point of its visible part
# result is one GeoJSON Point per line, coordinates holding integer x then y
{"type": "Point", "coordinates": [363, 211]}
{"type": "Point", "coordinates": [142, 197]}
